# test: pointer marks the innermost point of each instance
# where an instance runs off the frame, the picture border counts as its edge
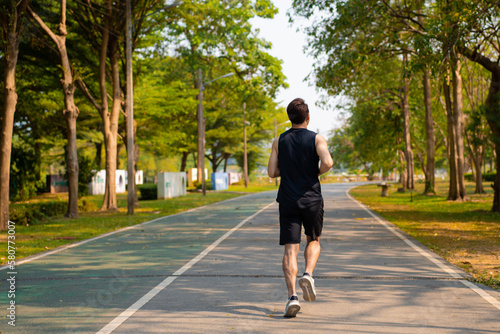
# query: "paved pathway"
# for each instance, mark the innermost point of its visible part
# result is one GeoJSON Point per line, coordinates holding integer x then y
{"type": "Point", "coordinates": [217, 269]}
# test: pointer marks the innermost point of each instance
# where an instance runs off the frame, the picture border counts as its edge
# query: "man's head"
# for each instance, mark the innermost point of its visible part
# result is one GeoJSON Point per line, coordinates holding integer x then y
{"type": "Point", "coordinates": [297, 111]}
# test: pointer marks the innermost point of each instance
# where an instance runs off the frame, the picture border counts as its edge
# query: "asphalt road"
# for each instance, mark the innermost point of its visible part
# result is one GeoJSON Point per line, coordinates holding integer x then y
{"type": "Point", "coordinates": [217, 269]}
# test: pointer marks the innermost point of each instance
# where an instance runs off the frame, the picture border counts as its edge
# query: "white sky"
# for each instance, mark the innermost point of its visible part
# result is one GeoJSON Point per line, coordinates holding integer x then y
{"type": "Point", "coordinates": [288, 45]}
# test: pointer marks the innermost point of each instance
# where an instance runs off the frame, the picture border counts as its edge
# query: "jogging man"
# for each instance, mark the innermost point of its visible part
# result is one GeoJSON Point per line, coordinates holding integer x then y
{"type": "Point", "coordinates": [295, 157]}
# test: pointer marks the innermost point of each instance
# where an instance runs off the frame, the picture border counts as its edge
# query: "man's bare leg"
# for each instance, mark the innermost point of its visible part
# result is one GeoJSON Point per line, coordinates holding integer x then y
{"type": "Point", "coordinates": [290, 267]}
{"type": "Point", "coordinates": [311, 254]}
{"type": "Point", "coordinates": [306, 282]}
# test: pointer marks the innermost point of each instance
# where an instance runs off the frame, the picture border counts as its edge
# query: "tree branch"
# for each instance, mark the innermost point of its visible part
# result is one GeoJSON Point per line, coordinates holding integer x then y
{"type": "Point", "coordinates": [479, 58]}
{"type": "Point", "coordinates": [44, 27]}
{"type": "Point", "coordinates": [405, 18]}
{"type": "Point", "coordinates": [81, 85]}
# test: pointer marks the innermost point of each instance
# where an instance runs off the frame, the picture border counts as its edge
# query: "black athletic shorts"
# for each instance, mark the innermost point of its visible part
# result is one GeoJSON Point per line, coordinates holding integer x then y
{"type": "Point", "coordinates": [292, 219]}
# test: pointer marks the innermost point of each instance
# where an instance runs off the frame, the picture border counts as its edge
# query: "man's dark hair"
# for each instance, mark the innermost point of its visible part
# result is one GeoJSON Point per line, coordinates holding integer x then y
{"type": "Point", "coordinates": [297, 111]}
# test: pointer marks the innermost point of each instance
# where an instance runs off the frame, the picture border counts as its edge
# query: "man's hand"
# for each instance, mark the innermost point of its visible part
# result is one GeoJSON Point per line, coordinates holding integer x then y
{"type": "Point", "coordinates": [324, 155]}
{"type": "Point", "coordinates": [273, 168]}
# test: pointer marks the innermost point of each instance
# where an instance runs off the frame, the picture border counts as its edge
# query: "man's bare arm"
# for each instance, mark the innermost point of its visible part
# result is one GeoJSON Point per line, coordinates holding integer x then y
{"type": "Point", "coordinates": [324, 155]}
{"type": "Point", "coordinates": [273, 168]}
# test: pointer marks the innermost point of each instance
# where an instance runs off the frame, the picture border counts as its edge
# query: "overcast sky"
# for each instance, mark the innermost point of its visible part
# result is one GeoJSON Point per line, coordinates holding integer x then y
{"type": "Point", "coordinates": [288, 45]}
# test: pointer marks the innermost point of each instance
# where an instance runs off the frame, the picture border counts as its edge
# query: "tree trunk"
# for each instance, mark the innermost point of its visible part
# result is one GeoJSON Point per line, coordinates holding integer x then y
{"type": "Point", "coordinates": [226, 158]}
{"type": "Point", "coordinates": [70, 112]}
{"type": "Point", "coordinates": [11, 52]}
{"type": "Point", "coordinates": [118, 150]}
{"type": "Point", "coordinates": [110, 147]}
{"type": "Point", "coordinates": [98, 155]}
{"type": "Point", "coordinates": [405, 108]}
{"type": "Point", "coordinates": [496, 184]}
{"type": "Point", "coordinates": [459, 124]}
{"type": "Point", "coordinates": [477, 158]}
{"type": "Point", "coordinates": [478, 174]}
{"type": "Point", "coordinates": [11, 22]}
{"type": "Point", "coordinates": [184, 161]}
{"type": "Point", "coordinates": [38, 155]}
{"type": "Point", "coordinates": [492, 107]}
{"type": "Point", "coordinates": [402, 175]}
{"type": "Point", "coordinates": [430, 136]}
{"type": "Point", "coordinates": [195, 159]}
{"type": "Point", "coordinates": [452, 156]}
{"type": "Point", "coordinates": [216, 160]}
{"type": "Point", "coordinates": [456, 124]}
{"type": "Point", "coordinates": [136, 159]}
{"type": "Point", "coordinates": [110, 125]}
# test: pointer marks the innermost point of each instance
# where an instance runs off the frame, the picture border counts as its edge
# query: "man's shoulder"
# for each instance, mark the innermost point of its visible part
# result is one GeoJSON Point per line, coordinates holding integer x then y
{"type": "Point", "coordinates": [320, 139]}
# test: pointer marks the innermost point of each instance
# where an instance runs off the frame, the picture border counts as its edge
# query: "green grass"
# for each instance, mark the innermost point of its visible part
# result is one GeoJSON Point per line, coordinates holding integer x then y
{"type": "Point", "coordinates": [465, 233]}
{"type": "Point", "coordinates": [59, 231]}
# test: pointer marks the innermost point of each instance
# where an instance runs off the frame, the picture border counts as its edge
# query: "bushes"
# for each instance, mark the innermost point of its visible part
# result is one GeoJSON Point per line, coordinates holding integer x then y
{"type": "Point", "coordinates": [33, 213]}
{"type": "Point", "coordinates": [86, 171]}
{"type": "Point", "coordinates": [148, 191]}
{"type": "Point", "coordinates": [199, 185]}
{"type": "Point", "coordinates": [487, 177]}
{"type": "Point", "coordinates": [24, 169]}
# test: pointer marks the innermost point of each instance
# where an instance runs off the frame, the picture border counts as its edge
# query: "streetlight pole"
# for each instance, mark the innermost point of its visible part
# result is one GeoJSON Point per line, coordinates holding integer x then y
{"type": "Point", "coordinates": [201, 129]}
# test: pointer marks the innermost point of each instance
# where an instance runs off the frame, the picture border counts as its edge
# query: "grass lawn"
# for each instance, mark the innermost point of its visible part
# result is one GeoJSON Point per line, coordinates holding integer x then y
{"type": "Point", "coordinates": [466, 234]}
{"type": "Point", "coordinates": [58, 231]}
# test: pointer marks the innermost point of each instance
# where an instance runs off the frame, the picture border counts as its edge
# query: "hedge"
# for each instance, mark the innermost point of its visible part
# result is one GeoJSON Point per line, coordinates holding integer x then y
{"type": "Point", "coordinates": [148, 191]}
{"type": "Point", "coordinates": [487, 177]}
{"type": "Point", "coordinates": [33, 213]}
{"type": "Point", "coordinates": [208, 185]}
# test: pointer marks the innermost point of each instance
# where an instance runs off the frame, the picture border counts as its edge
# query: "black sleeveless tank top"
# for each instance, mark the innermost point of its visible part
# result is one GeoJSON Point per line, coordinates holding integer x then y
{"type": "Point", "coordinates": [299, 167]}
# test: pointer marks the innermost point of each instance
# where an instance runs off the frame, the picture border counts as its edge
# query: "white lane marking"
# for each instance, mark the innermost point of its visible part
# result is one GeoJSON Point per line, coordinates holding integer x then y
{"type": "Point", "coordinates": [79, 243]}
{"type": "Point", "coordinates": [116, 322]}
{"type": "Point", "coordinates": [486, 296]}
{"type": "Point", "coordinates": [421, 251]}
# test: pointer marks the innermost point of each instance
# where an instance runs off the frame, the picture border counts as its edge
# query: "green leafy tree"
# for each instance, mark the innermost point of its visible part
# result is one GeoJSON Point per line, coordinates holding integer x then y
{"type": "Point", "coordinates": [347, 44]}
{"type": "Point", "coordinates": [164, 103]}
{"type": "Point", "coordinates": [217, 37]}
{"type": "Point", "coordinates": [477, 40]}
{"type": "Point", "coordinates": [12, 16]}
{"type": "Point", "coordinates": [70, 111]}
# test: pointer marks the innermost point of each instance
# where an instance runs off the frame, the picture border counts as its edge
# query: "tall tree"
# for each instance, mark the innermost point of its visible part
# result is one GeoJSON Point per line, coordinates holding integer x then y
{"type": "Point", "coordinates": [449, 33]}
{"type": "Point", "coordinates": [346, 45]}
{"type": "Point", "coordinates": [477, 132]}
{"type": "Point", "coordinates": [215, 35]}
{"type": "Point", "coordinates": [481, 45]}
{"type": "Point", "coordinates": [71, 110]}
{"type": "Point", "coordinates": [12, 13]}
{"type": "Point", "coordinates": [165, 99]}
{"type": "Point", "coordinates": [103, 26]}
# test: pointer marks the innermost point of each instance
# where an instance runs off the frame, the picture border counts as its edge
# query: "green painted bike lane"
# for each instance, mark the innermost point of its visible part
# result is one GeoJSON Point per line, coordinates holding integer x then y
{"type": "Point", "coordinates": [78, 289]}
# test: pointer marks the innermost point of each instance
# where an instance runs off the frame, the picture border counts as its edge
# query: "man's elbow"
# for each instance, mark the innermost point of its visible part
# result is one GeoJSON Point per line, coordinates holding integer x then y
{"type": "Point", "coordinates": [326, 166]}
{"type": "Point", "coordinates": [271, 172]}
{"type": "Point", "coordinates": [329, 164]}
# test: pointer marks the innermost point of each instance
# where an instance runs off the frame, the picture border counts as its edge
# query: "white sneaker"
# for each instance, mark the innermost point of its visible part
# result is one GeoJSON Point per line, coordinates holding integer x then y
{"type": "Point", "coordinates": [292, 307]}
{"type": "Point", "coordinates": [306, 282]}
